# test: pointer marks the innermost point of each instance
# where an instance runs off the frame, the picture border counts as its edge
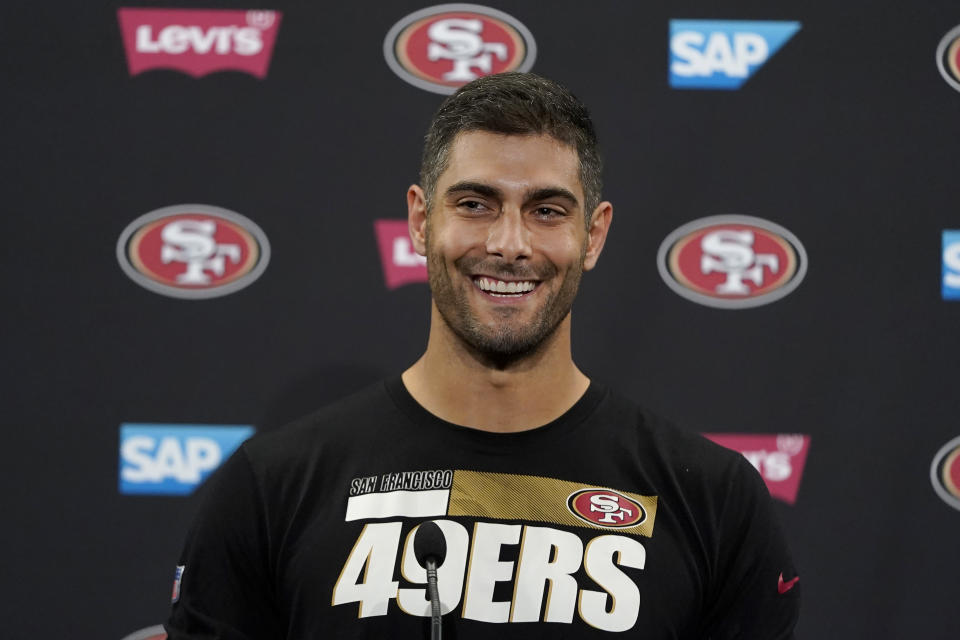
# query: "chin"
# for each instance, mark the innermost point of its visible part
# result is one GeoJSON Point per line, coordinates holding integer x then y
{"type": "Point", "coordinates": [505, 343]}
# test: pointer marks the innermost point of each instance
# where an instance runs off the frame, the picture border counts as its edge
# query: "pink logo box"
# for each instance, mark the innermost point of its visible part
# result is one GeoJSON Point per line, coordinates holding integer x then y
{"type": "Point", "coordinates": [401, 264]}
{"type": "Point", "coordinates": [779, 458]}
{"type": "Point", "coordinates": [199, 41]}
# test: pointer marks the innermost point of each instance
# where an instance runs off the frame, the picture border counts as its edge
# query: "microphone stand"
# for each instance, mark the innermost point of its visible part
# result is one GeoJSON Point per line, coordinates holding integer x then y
{"type": "Point", "coordinates": [436, 621]}
{"type": "Point", "coordinates": [430, 549]}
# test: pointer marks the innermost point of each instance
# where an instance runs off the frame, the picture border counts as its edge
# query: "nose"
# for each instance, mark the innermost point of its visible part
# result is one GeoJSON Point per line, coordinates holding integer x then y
{"type": "Point", "coordinates": [508, 237]}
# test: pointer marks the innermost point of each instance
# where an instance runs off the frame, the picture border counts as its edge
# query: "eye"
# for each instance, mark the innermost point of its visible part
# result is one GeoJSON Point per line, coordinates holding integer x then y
{"type": "Point", "coordinates": [548, 212]}
{"type": "Point", "coordinates": [473, 206]}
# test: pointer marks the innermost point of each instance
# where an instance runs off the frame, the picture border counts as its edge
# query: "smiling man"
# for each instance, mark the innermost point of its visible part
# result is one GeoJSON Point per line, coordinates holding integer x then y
{"type": "Point", "coordinates": [507, 234]}
{"type": "Point", "coordinates": [565, 509]}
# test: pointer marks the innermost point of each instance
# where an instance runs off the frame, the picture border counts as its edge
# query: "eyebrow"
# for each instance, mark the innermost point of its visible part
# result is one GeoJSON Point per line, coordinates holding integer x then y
{"type": "Point", "coordinates": [547, 193]}
{"type": "Point", "coordinates": [475, 187]}
{"type": "Point", "coordinates": [543, 193]}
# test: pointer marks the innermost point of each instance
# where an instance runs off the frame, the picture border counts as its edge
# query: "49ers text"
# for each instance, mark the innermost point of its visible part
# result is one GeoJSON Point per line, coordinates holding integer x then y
{"type": "Point", "coordinates": [546, 562]}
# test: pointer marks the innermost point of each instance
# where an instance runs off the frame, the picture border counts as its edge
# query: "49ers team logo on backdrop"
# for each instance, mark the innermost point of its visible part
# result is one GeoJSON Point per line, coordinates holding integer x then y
{"type": "Point", "coordinates": [605, 508]}
{"type": "Point", "coordinates": [732, 262]}
{"type": "Point", "coordinates": [193, 251]}
{"type": "Point", "coordinates": [945, 473]}
{"type": "Point", "coordinates": [150, 633]}
{"type": "Point", "coordinates": [443, 47]}
{"type": "Point", "coordinates": [948, 58]}
{"type": "Point", "coordinates": [199, 41]}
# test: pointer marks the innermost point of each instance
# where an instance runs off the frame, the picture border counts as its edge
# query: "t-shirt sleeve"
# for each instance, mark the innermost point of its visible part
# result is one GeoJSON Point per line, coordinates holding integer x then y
{"type": "Point", "coordinates": [226, 588]}
{"type": "Point", "coordinates": [756, 590]}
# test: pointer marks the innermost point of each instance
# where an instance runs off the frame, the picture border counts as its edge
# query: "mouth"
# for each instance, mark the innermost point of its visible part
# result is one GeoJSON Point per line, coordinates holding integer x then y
{"type": "Point", "coordinates": [505, 288]}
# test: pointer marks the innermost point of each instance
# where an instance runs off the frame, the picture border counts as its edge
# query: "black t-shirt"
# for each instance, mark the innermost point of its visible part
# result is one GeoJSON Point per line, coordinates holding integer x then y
{"type": "Point", "coordinates": [607, 522]}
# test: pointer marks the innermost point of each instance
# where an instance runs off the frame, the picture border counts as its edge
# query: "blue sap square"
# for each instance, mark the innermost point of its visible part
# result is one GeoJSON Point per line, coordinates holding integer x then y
{"type": "Point", "coordinates": [174, 459]}
{"type": "Point", "coordinates": [950, 277]}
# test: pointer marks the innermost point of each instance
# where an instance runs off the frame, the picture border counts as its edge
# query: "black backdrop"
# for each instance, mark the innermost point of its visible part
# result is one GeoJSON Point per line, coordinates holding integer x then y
{"type": "Point", "coordinates": [847, 137]}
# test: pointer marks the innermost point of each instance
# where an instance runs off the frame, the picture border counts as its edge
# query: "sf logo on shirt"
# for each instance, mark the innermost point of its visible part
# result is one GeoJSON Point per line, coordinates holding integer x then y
{"type": "Point", "coordinates": [605, 508]}
{"type": "Point", "coordinates": [610, 508]}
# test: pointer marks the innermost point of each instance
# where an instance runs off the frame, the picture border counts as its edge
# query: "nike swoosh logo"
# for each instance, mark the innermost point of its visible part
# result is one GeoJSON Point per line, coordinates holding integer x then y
{"type": "Point", "coordinates": [783, 587]}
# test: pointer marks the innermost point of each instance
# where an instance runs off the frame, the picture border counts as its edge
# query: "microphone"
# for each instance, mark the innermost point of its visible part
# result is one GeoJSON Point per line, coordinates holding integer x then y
{"type": "Point", "coordinates": [430, 549]}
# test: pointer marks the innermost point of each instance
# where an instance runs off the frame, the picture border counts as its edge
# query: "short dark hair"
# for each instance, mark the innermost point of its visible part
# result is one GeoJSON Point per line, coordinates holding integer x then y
{"type": "Point", "coordinates": [517, 104]}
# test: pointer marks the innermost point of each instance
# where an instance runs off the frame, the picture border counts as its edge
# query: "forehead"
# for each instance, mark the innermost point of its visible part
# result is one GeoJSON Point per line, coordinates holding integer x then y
{"type": "Point", "coordinates": [525, 161]}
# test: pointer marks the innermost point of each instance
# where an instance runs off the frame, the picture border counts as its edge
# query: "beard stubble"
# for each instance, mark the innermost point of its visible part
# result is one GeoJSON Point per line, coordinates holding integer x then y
{"type": "Point", "coordinates": [506, 339]}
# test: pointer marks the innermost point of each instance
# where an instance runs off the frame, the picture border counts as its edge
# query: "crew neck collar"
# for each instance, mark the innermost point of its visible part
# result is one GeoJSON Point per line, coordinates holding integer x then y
{"type": "Point", "coordinates": [495, 442]}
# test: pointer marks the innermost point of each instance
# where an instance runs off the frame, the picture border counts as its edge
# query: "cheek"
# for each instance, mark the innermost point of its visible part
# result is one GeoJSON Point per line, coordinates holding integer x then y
{"type": "Point", "coordinates": [458, 240]}
{"type": "Point", "coordinates": [562, 250]}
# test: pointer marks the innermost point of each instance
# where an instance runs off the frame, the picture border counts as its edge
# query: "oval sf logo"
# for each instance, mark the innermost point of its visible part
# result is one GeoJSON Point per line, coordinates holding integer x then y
{"type": "Point", "coordinates": [606, 508]}
{"type": "Point", "coordinates": [443, 47]}
{"type": "Point", "coordinates": [948, 57]}
{"type": "Point", "coordinates": [732, 261]}
{"type": "Point", "coordinates": [193, 251]}
{"type": "Point", "coordinates": [945, 473]}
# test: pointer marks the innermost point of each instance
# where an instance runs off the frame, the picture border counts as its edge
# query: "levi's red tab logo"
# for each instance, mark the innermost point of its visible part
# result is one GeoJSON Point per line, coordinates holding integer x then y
{"type": "Point", "coordinates": [401, 264]}
{"type": "Point", "coordinates": [779, 458]}
{"type": "Point", "coordinates": [199, 41]}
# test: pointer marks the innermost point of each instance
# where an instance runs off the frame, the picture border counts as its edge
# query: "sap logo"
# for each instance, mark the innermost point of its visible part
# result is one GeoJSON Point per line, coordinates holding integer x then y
{"type": "Point", "coordinates": [401, 264]}
{"type": "Point", "coordinates": [722, 54]}
{"type": "Point", "coordinates": [951, 265]}
{"type": "Point", "coordinates": [174, 459]}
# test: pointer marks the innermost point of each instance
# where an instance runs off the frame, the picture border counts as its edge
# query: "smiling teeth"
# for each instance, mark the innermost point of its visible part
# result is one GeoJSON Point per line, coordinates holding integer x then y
{"type": "Point", "coordinates": [499, 286]}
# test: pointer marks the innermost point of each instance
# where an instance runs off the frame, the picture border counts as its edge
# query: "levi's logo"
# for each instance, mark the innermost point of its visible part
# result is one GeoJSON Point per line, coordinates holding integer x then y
{"type": "Point", "coordinates": [779, 458]}
{"type": "Point", "coordinates": [401, 264]}
{"type": "Point", "coordinates": [199, 41]}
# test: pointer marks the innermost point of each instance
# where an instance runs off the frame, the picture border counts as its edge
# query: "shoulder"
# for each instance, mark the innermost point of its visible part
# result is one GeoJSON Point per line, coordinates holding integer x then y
{"type": "Point", "coordinates": [681, 447]}
{"type": "Point", "coordinates": [676, 459]}
{"type": "Point", "coordinates": [342, 423]}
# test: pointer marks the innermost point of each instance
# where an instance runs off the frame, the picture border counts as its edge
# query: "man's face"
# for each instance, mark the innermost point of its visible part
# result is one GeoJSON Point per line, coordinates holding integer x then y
{"type": "Point", "coordinates": [506, 240]}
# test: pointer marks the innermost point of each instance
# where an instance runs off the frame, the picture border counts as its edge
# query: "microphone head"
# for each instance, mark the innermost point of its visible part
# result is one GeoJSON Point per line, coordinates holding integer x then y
{"type": "Point", "coordinates": [429, 542]}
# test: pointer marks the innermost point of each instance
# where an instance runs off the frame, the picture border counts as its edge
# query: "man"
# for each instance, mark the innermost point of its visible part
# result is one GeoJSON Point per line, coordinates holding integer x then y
{"type": "Point", "coordinates": [566, 511]}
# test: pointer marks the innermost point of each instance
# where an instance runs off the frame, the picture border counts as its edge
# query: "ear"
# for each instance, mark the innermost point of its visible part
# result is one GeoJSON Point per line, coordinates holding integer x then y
{"type": "Point", "coordinates": [597, 234]}
{"type": "Point", "coordinates": [417, 219]}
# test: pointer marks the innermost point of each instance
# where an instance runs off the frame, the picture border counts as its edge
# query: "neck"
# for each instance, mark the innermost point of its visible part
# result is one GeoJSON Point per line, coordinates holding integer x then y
{"type": "Point", "coordinates": [454, 382]}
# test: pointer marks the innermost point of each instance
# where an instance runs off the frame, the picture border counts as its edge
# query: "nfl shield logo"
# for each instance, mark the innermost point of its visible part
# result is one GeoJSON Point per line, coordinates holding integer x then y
{"type": "Point", "coordinates": [177, 578]}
